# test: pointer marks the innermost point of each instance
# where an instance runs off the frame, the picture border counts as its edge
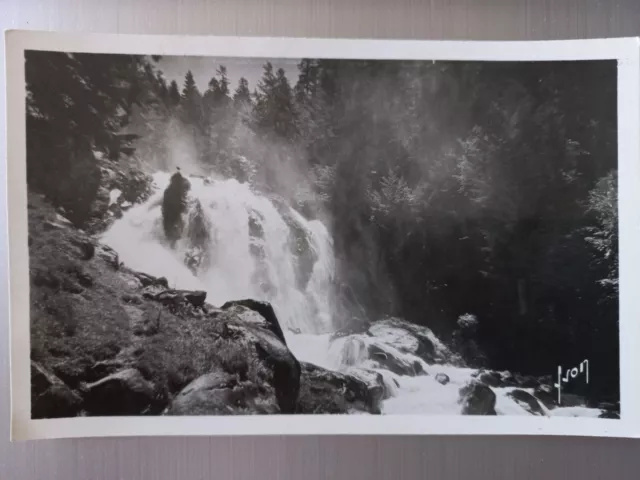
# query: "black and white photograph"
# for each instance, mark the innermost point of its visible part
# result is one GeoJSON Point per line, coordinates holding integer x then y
{"type": "Point", "coordinates": [235, 236]}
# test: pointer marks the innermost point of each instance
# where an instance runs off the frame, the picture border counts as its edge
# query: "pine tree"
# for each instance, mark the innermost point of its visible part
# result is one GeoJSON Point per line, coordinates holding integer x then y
{"type": "Point", "coordinates": [77, 105]}
{"type": "Point", "coordinates": [174, 94]}
{"type": "Point", "coordinates": [242, 95]}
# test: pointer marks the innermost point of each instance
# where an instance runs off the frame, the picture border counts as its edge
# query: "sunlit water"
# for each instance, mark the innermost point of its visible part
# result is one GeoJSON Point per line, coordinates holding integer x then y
{"type": "Point", "coordinates": [230, 208]}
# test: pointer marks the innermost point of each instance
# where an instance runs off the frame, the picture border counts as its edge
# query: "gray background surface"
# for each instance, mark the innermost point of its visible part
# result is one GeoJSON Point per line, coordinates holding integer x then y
{"type": "Point", "coordinates": [312, 457]}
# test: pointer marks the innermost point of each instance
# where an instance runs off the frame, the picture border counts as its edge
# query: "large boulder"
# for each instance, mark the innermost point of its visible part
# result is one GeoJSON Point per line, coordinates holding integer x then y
{"type": "Point", "coordinates": [526, 401]}
{"type": "Point", "coordinates": [491, 379]}
{"type": "Point", "coordinates": [50, 396]}
{"type": "Point", "coordinates": [174, 206]}
{"type": "Point", "coordinates": [477, 399]}
{"type": "Point", "coordinates": [123, 393]}
{"type": "Point", "coordinates": [325, 391]}
{"type": "Point", "coordinates": [220, 393]}
{"type": "Point", "coordinates": [387, 360]}
{"type": "Point", "coordinates": [260, 342]}
{"type": "Point", "coordinates": [410, 338]}
{"type": "Point", "coordinates": [266, 317]}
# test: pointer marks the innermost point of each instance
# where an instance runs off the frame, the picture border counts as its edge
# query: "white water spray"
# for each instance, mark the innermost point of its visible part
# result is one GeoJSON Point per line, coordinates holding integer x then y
{"type": "Point", "coordinates": [235, 270]}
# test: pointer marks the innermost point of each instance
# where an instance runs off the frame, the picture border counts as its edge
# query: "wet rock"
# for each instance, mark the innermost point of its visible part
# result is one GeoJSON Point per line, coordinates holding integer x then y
{"type": "Point", "coordinates": [492, 379]}
{"type": "Point", "coordinates": [442, 378]}
{"type": "Point", "coordinates": [389, 361]}
{"type": "Point", "coordinates": [123, 393]}
{"type": "Point", "coordinates": [264, 310]}
{"type": "Point", "coordinates": [526, 381]}
{"type": "Point", "coordinates": [545, 394]}
{"type": "Point", "coordinates": [324, 391]}
{"type": "Point", "coordinates": [526, 401]}
{"type": "Point", "coordinates": [477, 399]}
{"type": "Point", "coordinates": [410, 338]}
{"type": "Point", "coordinates": [222, 394]}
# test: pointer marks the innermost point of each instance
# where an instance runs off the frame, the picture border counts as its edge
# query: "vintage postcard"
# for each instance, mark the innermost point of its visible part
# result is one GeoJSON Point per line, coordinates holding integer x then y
{"type": "Point", "coordinates": [221, 236]}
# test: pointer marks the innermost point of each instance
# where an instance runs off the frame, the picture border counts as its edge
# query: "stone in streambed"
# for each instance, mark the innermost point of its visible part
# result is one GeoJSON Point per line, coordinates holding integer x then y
{"type": "Point", "coordinates": [526, 401]}
{"type": "Point", "coordinates": [477, 399]}
{"type": "Point", "coordinates": [325, 391]}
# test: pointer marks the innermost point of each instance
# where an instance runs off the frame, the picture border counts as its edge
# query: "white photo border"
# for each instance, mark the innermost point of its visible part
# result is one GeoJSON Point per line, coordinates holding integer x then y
{"type": "Point", "coordinates": [624, 50]}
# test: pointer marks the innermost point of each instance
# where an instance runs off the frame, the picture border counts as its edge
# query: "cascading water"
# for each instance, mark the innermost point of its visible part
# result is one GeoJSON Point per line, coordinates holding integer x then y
{"type": "Point", "coordinates": [249, 250]}
{"type": "Point", "coordinates": [251, 246]}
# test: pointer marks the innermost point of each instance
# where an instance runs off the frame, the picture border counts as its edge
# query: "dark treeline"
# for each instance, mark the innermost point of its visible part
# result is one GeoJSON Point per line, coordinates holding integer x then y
{"type": "Point", "coordinates": [453, 190]}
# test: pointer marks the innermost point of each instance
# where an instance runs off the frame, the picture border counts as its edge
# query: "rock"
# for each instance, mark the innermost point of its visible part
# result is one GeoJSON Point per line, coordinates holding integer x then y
{"type": "Point", "coordinates": [222, 394]}
{"type": "Point", "coordinates": [255, 345]}
{"type": "Point", "coordinates": [526, 381]}
{"type": "Point", "coordinates": [609, 410]}
{"type": "Point", "coordinates": [411, 338]}
{"type": "Point", "coordinates": [50, 396]}
{"type": "Point", "coordinates": [477, 399]}
{"type": "Point", "coordinates": [285, 369]}
{"type": "Point", "coordinates": [58, 401]}
{"type": "Point", "coordinates": [265, 310]}
{"type": "Point", "coordinates": [102, 369]}
{"type": "Point", "coordinates": [526, 401]}
{"type": "Point", "coordinates": [545, 394]}
{"type": "Point", "coordinates": [492, 379]}
{"type": "Point", "coordinates": [324, 391]}
{"type": "Point", "coordinates": [176, 298]}
{"type": "Point", "coordinates": [123, 393]}
{"type": "Point", "coordinates": [392, 363]}
{"type": "Point", "coordinates": [442, 378]}
{"type": "Point", "coordinates": [301, 248]}
{"type": "Point", "coordinates": [174, 206]}
{"type": "Point", "coordinates": [196, 298]}
{"type": "Point", "coordinates": [87, 249]}
{"type": "Point", "coordinates": [109, 255]}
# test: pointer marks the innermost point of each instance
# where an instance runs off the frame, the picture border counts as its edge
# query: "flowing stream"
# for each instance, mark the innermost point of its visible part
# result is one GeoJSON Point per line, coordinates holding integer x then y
{"type": "Point", "coordinates": [241, 244]}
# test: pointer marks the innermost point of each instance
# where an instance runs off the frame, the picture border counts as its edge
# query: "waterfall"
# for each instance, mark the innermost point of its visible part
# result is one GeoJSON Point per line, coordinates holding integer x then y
{"type": "Point", "coordinates": [237, 243]}
{"type": "Point", "coordinates": [256, 247]}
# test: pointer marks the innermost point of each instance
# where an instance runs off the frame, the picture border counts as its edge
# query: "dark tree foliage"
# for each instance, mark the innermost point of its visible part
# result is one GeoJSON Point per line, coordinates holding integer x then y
{"type": "Point", "coordinates": [463, 188]}
{"type": "Point", "coordinates": [77, 105]}
{"type": "Point", "coordinates": [242, 94]}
